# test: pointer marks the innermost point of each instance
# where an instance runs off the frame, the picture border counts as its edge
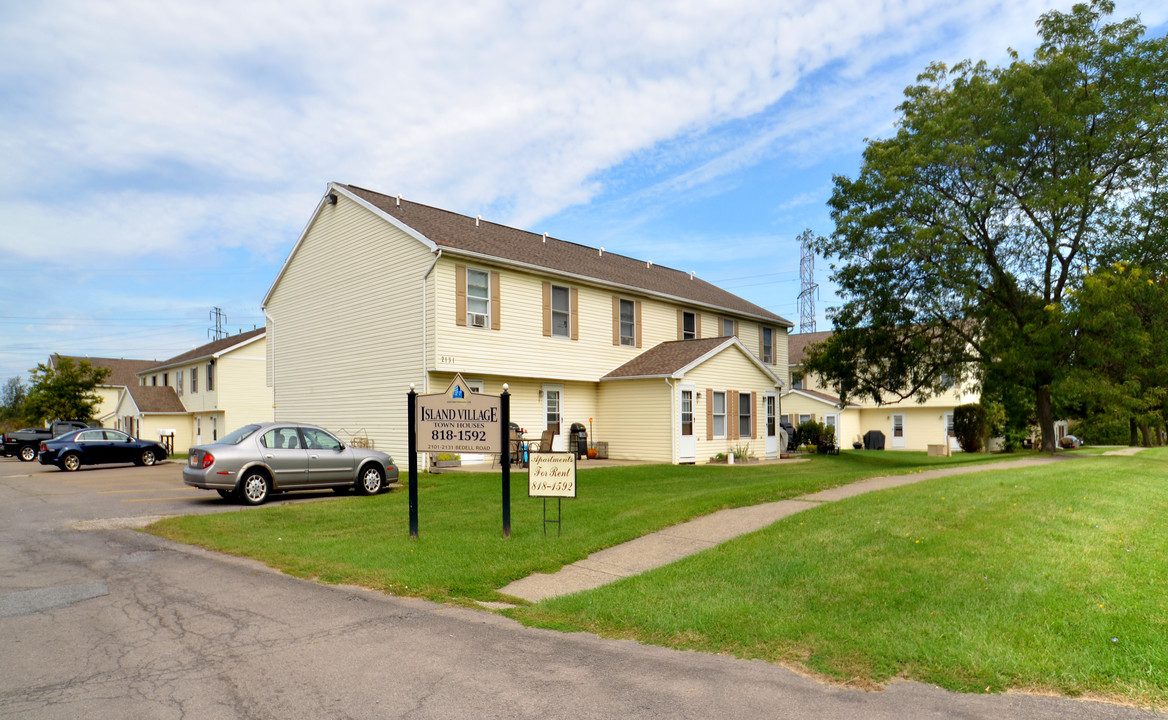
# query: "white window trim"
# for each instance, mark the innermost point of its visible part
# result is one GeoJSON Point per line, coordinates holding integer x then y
{"type": "Point", "coordinates": [714, 415]}
{"type": "Point", "coordinates": [567, 312]}
{"type": "Point", "coordinates": [469, 313]}
{"type": "Point", "coordinates": [632, 338]}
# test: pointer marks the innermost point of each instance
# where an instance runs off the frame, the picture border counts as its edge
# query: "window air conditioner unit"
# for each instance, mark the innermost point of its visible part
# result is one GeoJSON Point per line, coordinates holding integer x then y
{"type": "Point", "coordinates": [478, 320]}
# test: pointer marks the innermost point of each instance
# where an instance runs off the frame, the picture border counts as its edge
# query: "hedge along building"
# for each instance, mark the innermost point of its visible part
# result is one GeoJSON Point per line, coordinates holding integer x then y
{"type": "Point", "coordinates": [379, 293]}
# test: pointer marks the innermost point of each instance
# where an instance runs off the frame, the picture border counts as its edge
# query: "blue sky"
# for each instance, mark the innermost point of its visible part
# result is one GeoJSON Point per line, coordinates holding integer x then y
{"type": "Point", "coordinates": [160, 159]}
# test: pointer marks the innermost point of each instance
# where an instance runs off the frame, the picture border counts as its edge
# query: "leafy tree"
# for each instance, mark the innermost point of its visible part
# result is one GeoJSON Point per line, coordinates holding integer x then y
{"type": "Point", "coordinates": [12, 399]}
{"type": "Point", "coordinates": [962, 234]}
{"type": "Point", "coordinates": [65, 392]}
{"type": "Point", "coordinates": [1121, 360]}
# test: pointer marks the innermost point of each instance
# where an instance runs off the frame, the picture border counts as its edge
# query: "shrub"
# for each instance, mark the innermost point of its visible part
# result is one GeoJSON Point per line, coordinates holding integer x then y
{"type": "Point", "coordinates": [808, 432]}
{"type": "Point", "coordinates": [969, 425]}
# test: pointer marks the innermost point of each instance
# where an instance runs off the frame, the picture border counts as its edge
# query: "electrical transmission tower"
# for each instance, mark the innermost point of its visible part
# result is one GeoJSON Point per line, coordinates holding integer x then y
{"type": "Point", "coordinates": [220, 330]}
{"type": "Point", "coordinates": [810, 289]}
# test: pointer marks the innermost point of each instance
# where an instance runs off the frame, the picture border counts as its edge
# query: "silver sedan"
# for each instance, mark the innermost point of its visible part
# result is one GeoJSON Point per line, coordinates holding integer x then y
{"type": "Point", "coordinates": [256, 460]}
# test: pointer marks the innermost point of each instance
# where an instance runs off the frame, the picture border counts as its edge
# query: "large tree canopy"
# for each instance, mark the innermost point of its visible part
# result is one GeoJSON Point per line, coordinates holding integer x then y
{"type": "Point", "coordinates": [962, 234]}
{"type": "Point", "coordinates": [65, 392]}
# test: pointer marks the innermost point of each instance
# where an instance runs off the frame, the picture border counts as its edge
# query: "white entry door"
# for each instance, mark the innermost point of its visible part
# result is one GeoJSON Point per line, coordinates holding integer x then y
{"type": "Point", "coordinates": [770, 405]}
{"type": "Point", "coordinates": [953, 444]}
{"type": "Point", "coordinates": [687, 446]}
{"type": "Point", "coordinates": [898, 431]}
{"type": "Point", "coordinates": [553, 409]}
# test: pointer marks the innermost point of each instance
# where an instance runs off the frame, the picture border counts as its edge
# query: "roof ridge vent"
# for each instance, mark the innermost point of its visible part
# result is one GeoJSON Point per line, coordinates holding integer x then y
{"type": "Point", "coordinates": [602, 251]}
{"type": "Point", "coordinates": [648, 264]}
{"type": "Point", "coordinates": [399, 199]}
{"type": "Point", "coordinates": [478, 220]}
{"type": "Point", "coordinates": [691, 274]}
{"type": "Point", "coordinates": [545, 238]}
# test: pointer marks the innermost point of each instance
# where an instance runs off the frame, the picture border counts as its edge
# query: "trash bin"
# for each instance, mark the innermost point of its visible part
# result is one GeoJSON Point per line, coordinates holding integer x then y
{"type": "Point", "coordinates": [578, 437]}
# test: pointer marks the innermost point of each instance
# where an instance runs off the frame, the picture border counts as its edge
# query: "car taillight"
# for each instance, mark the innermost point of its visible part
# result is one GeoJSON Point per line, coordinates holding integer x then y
{"type": "Point", "coordinates": [43, 448]}
{"type": "Point", "coordinates": [208, 458]}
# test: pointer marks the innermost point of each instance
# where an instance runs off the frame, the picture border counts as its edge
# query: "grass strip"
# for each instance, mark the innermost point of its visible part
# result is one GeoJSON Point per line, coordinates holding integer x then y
{"type": "Point", "coordinates": [1049, 578]}
{"type": "Point", "coordinates": [460, 554]}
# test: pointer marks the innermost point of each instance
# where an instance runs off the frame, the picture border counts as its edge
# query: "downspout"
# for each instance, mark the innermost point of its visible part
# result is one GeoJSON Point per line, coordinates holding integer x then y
{"type": "Point", "coordinates": [423, 461]}
{"type": "Point", "coordinates": [270, 338]}
{"type": "Point", "coordinates": [672, 423]}
{"type": "Point", "coordinates": [426, 325]}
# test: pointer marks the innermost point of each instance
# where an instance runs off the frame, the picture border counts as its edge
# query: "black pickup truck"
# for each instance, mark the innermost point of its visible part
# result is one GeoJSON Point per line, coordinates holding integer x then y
{"type": "Point", "coordinates": [26, 443]}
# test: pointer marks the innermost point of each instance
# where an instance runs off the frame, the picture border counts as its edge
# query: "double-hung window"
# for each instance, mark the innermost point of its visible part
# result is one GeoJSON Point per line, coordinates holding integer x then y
{"type": "Point", "coordinates": [718, 403]}
{"type": "Point", "coordinates": [768, 346]}
{"type": "Point", "coordinates": [195, 379]}
{"type": "Point", "coordinates": [628, 323]}
{"type": "Point", "coordinates": [478, 298]}
{"type": "Point", "coordinates": [178, 381]}
{"type": "Point", "coordinates": [561, 311]}
{"type": "Point", "coordinates": [729, 328]}
{"type": "Point", "coordinates": [689, 326]}
{"type": "Point", "coordinates": [210, 376]}
{"type": "Point", "coordinates": [745, 420]}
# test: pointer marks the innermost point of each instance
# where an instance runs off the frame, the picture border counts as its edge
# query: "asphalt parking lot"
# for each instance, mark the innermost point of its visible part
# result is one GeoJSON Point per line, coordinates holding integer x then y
{"type": "Point", "coordinates": [98, 620]}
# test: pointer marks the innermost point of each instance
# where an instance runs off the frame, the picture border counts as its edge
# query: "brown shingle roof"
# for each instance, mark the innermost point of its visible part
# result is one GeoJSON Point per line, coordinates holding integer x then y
{"type": "Point", "coordinates": [122, 371]}
{"type": "Point", "coordinates": [156, 399]}
{"type": "Point", "coordinates": [459, 233]}
{"type": "Point", "coordinates": [208, 350]}
{"type": "Point", "coordinates": [797, 345]}
{"type": "Point", "coordinates": [665, 359]}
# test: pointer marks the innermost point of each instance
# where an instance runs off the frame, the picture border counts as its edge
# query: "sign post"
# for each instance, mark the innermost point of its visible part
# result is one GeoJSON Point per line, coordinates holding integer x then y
{"type": "Point", "coordinates": [459, 421]}
{"type": "Point", "coordinates": [505, 458]}
{"type": "Point", "coordinates": [552, 474]}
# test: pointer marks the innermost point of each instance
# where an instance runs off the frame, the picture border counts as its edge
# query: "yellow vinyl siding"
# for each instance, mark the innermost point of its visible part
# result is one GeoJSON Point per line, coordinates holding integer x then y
{"type": "Point", "coordinates": [348, 317]}
{"type": "Point", "coordinates": [637, 420]}
{"type": "Point", "coordinates": [243, 395]}
{"type": "Point", "coordinates": [732, 372]}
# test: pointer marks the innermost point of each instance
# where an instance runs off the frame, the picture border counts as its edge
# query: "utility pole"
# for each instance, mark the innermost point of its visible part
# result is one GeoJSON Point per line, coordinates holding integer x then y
{"type": "Point", "coordinates": [809, 288]}
{"type": "Point", "coordinates": [220, 319]}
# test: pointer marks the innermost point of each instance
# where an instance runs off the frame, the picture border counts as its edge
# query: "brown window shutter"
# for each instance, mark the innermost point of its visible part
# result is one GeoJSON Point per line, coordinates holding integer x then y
{"type": "Point", "coordinates": [574, 320]}
{"type": "Point", "coordinates": [547, 309]}
{"type": "Point", "coordinates": [761, 353]}
{"type": "Point", "coordinates": [495, 300]}
{"type": "Point", "coordinates": [754, 413]}
{"type": "Point", "coordinates": [680, 324]}
{"type": "Point", "coordinates": [709, 414]}
{"type": "Point", "coordinates": [735, 433]}
{"type": "Point", "coordinates": [460, 295]}
{"type": "Point", "coordinates": [697, 326]}
{"type": "Point", "coordinates": [615, 320]}
{"type": "Point", "coordinates": [735, 328]}
{"type": "Point", "coordinates": [637, 310]}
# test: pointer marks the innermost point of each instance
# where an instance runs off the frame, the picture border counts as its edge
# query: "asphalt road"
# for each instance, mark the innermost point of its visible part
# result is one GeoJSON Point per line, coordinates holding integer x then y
{"type": "Point", "coordinates": [100, 621]}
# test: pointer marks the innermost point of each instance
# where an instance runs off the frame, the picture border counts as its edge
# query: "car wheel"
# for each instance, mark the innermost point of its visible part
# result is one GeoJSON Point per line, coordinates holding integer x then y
{"type": "Point", "coordinates": [225, 494]}
{"type": "Point", "coordinates": [371, 481]}
{"type": "Point", "coordinates": [255, 488]}
{"type": "Point", "coordinates": [147, 457]}
{"type": "Point", "coordinates": [28, 453]}
{"type": "Point", "coordinates": [70, 462]}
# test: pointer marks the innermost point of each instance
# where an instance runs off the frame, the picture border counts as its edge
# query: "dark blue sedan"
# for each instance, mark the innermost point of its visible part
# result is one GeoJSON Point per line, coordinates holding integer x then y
{"type": "Point", "coordinates": [96, 446]}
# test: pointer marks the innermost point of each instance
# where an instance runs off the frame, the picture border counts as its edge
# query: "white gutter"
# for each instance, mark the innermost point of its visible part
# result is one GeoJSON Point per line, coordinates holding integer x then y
{"type": "Point", "coordinates": [672, 423]}
{"type": "Point", "coordinates": [270, 335]}
{"type": "Point", "coordinates": [425, 326]}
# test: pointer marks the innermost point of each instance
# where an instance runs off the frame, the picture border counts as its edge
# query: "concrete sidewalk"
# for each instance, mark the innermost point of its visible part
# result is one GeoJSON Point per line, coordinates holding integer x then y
{"type": "Point", "coordinates": [679, 541]}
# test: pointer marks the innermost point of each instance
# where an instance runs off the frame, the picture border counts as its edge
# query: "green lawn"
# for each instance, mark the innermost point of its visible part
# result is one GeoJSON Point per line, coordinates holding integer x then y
{"type": "Point", "coordinates": [461, 555]}
{"type": "Point", "coordinates": [1052, 578]}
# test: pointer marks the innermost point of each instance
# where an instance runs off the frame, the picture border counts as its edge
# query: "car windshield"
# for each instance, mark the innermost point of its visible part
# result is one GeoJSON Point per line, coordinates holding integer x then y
{"type": "Point", "coordinates": [236, 436]}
